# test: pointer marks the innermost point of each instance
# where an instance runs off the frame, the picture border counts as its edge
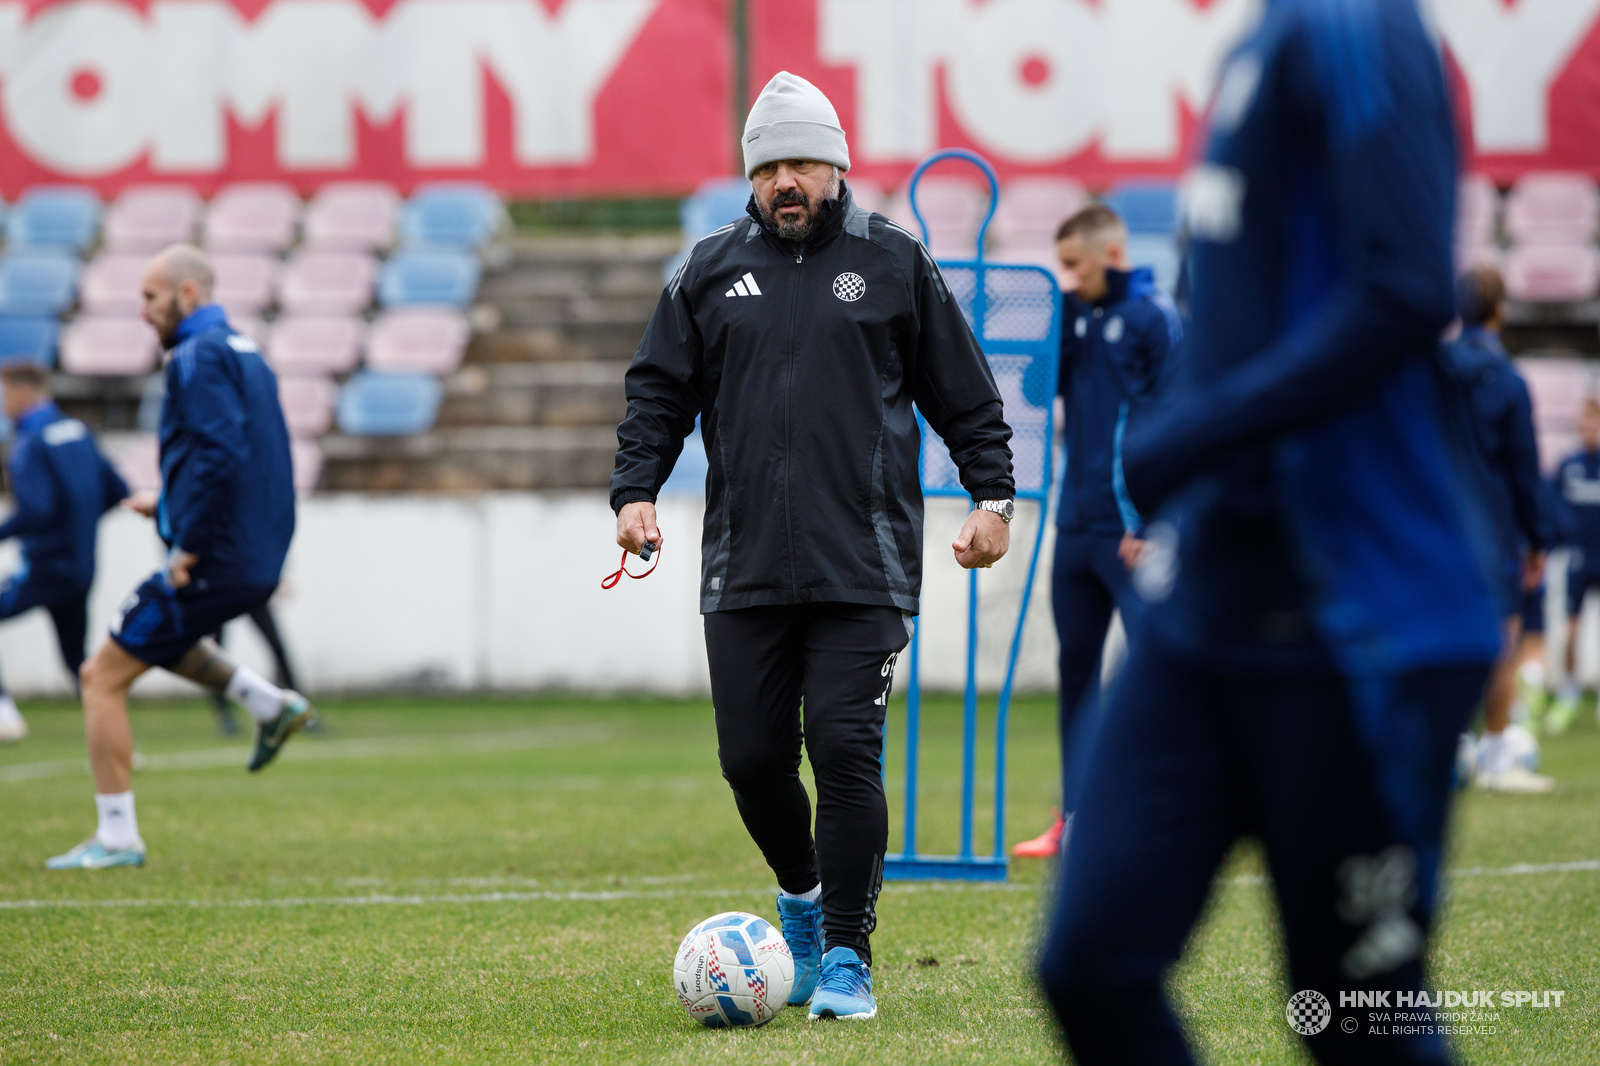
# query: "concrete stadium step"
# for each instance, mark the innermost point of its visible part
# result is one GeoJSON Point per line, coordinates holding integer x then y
{"type": "Point", "coordinates": [582, 393]}
{"type": "Point", "coordinates": [470, 458]}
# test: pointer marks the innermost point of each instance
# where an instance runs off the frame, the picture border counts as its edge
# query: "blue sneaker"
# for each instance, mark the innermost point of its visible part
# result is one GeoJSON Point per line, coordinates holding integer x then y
{"type": "Point", "coordinates": [802, 929]}
{"type": "Point", "coordinates": [93, 855]}
{"type": "Point", "coordinates": [271, 736]}
{"type": "Point", "coordinates": [845, 990]}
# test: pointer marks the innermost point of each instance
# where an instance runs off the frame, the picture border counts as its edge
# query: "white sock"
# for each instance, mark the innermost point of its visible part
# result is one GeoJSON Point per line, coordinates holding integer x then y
{"type": "Point", "coordinates": [1570, 690]}
{"type": "Point", "coordinates": [1532, 673]}
{"type": "Point", "coordinates": [8, 709]}
{"type": "Point", "coordinates": [810, 897]}
{"type": "Point", "coordinates": [119, 825]}
{"type": "Point", "coordinates": [1493, 756]}
{"type": "Point", "coordinates": [258, 696]}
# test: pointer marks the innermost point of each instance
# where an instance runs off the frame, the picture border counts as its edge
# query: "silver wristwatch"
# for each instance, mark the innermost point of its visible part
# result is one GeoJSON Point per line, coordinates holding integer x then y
{"type": "Point", "coordinates": [1006, 509]}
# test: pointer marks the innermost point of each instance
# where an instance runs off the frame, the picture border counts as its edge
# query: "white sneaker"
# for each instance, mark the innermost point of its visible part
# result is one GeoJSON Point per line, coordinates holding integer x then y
{"type": "Point", "coordinates": [1516, 780]}
{"type": "Point", "coordinates": [12, 726]}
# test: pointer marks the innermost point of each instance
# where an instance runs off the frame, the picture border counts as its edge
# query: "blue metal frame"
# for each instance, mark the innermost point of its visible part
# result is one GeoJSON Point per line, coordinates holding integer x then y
{"type": "Point", "coordinates": [966, 866]}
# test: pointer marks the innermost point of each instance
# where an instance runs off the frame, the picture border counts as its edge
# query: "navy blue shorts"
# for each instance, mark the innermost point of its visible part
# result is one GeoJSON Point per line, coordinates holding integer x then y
{"type": "Point", "coordinates": [68, 606]}
{"type": "Point", "coordinates": [1533, 610]}
{"type": "Point", "coordinates": [1579, 582]}
{"type": "Point", "coordinates": [158, 624]}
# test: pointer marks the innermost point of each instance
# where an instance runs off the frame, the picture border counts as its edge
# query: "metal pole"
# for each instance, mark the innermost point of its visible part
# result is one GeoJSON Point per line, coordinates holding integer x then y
{"type": "Point", "coordinates": [739, 39]}
{"type": "Point", "coordinates": [913, 726]}
{"type": "Point", "coordinates": [1003, 711]}
{"type": "Point", "coordinates": [969, 717]}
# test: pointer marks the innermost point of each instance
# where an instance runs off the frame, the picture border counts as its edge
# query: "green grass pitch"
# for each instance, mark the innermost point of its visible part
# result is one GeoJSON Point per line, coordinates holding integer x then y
{"type": "Point", "coordinates": [480, 880]}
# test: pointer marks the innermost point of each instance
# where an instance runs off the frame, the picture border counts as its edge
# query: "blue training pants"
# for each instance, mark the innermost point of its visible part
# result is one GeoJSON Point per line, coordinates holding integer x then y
{"type": "Point", "coordinates": [1184, 761]}
{"type": "Point", "coordinates": [1087, 581]}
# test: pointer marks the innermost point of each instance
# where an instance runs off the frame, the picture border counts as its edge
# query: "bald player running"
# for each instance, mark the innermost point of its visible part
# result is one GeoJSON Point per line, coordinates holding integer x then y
{"type": "Point", "coordinates": [226, 514]}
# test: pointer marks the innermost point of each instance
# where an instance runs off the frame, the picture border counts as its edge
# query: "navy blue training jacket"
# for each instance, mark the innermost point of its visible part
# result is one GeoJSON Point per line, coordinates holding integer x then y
{"type": "Point", "coordinates": [227, 485]}
{"type": "Point", "coordinates": [1577, 481]}
{"type": "Point", "coordinates": [1311, 496]}
{"type": "Point", "coordinates": [62, 485]}
{"type": "Point", "coordinates": [1112, 354]}
{"type": "Point", "coordinates": [1503, 430]}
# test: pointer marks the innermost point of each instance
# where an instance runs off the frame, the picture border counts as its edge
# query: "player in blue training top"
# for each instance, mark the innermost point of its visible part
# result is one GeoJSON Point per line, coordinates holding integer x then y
{"type": "Point", "coordinates": [1521, 522]}
{"type": "Point", "coordinates": [1577, 483]}
{"type": "Point", "coordinates": [1318, 623]}
{"type": "Point", "coordinates": [226, 513]}
{"type": "Point", "coordinates": [62, 486]}
{"type": "Point", "coordinates": [1118, 332]}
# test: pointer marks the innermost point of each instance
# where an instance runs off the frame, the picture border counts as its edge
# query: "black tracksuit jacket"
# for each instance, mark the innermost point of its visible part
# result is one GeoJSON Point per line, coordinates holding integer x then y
{"type": "Point", "coordinates": [805, 381]}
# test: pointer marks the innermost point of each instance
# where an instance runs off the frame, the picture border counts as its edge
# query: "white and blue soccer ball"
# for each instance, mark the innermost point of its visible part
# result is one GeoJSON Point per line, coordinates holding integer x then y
{"type": "Point", "coordinates": [733, 970]}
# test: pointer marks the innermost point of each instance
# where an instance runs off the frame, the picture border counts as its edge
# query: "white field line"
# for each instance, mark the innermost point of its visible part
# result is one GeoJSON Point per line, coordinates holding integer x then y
{"type": "Point", "coordinates": [1521, 869]}
{"type": "Point", "coordinates": [391, 900]}
{"type": "Point", "coordinates": [327, 750]}
{"type": "Point", "coordinates": [613, 895]}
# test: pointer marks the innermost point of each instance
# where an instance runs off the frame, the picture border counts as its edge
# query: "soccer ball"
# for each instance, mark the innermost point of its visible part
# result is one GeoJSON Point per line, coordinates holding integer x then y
{"type": "Point", "coordinates": [733, 969]}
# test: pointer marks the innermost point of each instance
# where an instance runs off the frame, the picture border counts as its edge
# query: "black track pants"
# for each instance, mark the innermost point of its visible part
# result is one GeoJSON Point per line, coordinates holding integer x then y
{"type": "Point", "coordinates": [837, 659]}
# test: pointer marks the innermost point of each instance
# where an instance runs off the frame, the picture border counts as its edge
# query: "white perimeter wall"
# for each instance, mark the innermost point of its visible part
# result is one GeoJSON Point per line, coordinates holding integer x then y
{"type": "Point", "coordinates": [502, 591]}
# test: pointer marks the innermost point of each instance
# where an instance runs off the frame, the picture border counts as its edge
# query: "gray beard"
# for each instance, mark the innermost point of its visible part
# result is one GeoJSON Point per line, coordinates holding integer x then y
{"type": "Point", "coordinates": [792, 229]}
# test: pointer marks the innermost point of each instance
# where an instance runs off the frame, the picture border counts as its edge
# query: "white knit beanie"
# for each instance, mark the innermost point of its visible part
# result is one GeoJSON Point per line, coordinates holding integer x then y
{"type": "Point", "coordinates": [793, 120]}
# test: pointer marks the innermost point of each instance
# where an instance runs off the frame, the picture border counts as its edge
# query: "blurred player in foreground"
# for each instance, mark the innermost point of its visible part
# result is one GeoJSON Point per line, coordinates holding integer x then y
{"type": "Point", "coordinates": [62, 486]}
{"type": "Point", "coordinates": [1523, 528]}
{"type": "Point", "coordinates": [1318, 623]}
{"type": "Point", "coordinates": [1118, 331]}
{"type": "Point", "coordinates": [226, 513]}
{"type": "Point", "coordinates": [1578, 482]}
{"type": "Point", "coordinates": [803, 334]}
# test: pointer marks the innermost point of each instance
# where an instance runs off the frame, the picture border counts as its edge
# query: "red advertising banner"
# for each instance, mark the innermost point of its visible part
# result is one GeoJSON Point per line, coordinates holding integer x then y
{"type": "Point", "coordinates": [535, 97]}
{"type": "Point", "coordinates": [1108, 89]}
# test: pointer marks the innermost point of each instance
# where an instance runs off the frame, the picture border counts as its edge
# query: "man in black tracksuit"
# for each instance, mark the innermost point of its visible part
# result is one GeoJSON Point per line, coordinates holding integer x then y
{"type": "Point", "coordinates": [802, 335]}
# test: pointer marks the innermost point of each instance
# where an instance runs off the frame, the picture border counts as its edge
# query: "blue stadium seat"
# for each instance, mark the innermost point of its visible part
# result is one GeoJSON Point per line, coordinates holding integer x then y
{"type": "Point", "coordinates": [377, 404]}
{"type": "Point", "coordinates": [62, 217]}
{"type": "Point", "coordinates": [1158, 252]}
{"type": "Point", "coordinates": [437, 278]}
{"type": "Point", "coordinates": [713, 205]}
{"type": "Point", "coordinates": [1147, 206]}
{"type": "Point", "coordinates": [37, 283]}
{"type": "Point", "coordinates": [29, 338]}
{"type": "Point", "coordinates": [459, 215]}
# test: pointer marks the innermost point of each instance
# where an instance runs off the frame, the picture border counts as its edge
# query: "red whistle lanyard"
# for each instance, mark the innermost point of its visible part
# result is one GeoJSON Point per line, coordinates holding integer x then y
{"type": "Point", "coordinates": [613, 580]}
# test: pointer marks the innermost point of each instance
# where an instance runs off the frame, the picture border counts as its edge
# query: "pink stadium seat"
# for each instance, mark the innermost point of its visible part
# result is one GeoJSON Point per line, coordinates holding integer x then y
{"type": "Point", "coordinates": [1553, 208]}
{"type": "Point", "coordinates": [315, 345]}
{"type": "Point", "coordinates": [1558, 387]}
{"type": "Point", "coordinates": [1476, 255]}
{"type": "Point", "coordinates": [868, 195]}
{"type": "Point", "coordinates": [137, 457]}
{"type": "Point", "coordinates": [327, 283]}
{"type": "Point", "coordinates": [307, 404]}
{"type": "Point", "coordinates": [306, 459]}
{"type": "Point", "coordinates": [952, 207]}
{"type": "Point", "coordinates": [252, 217]}
{"type": "Point", "coordinates": [252, 326]}
{"type": "Point", "coordinates": [424, 339]}
{"type": "Point", "coordinates": [146, 218]}
{"type": "Point", "coordinates": [1554, 447]}
{"type": "Point", "coordinates": [245, 282]}
{"type": "Point", "coordinates": [1477, 205]}
{"type": "Point", "coordinates": [355, 216]}
{"type": "Point", "coordinates": [108, 345]}
{"type": "Point", "coordinates": [1032, 209]}
{"type": "Point", "coordinates": [1553, 273]}
{"type": "Point", "coordinates": [109, 285]}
